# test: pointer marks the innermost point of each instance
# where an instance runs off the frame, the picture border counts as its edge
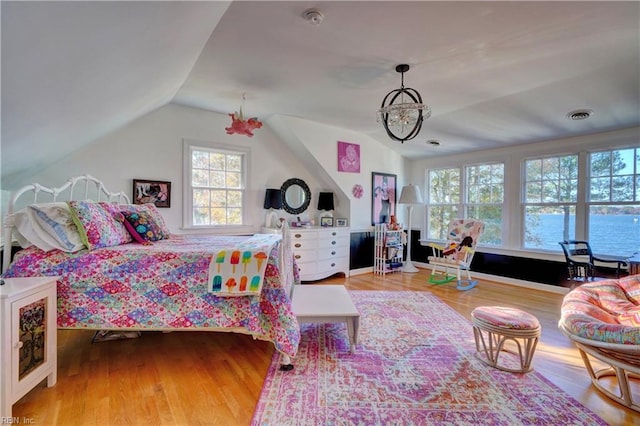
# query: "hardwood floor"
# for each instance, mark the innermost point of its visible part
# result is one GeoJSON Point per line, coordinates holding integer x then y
{"type": "Point", "coordinates": [200, 378]}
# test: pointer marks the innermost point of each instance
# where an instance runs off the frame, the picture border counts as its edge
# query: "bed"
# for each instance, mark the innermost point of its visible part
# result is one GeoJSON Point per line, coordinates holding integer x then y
{"type": "Point", "coordinates": [155, 280]}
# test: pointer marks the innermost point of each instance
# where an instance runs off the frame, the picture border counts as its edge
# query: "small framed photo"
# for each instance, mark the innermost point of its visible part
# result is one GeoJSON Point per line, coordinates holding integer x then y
{"type": "Point", "coordinates": [152, 191]}
{"type": "Point", "coordinates": [341, 221]}
{"type": "Point", "coordinates": [326, 221]}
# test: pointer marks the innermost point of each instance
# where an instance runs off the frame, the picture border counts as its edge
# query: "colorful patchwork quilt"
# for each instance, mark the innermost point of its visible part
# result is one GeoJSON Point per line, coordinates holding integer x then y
{"type": "Point", "coordinates": [163, 286]}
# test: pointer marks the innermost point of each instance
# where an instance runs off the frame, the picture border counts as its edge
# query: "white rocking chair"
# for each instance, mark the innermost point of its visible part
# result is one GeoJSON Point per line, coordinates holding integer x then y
{"type": "Point", "coordinates": [456, 254]}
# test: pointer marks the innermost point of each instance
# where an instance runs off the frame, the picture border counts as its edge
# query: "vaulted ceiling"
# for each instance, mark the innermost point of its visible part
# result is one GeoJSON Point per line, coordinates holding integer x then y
{"type": "Point", "coordinates": [493, 73]}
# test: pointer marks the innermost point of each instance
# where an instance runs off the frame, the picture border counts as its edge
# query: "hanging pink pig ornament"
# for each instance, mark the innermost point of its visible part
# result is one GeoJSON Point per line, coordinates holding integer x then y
{"type": "Point", "coordinates": [240, 126]}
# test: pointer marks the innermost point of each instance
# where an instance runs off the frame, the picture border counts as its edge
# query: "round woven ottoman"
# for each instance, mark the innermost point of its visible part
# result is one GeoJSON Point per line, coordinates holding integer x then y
{"type": "Point", "coordinates": [493, 326]}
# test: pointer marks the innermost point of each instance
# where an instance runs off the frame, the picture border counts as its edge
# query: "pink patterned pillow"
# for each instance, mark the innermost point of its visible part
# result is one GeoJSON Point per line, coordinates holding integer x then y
{"type": "Point", "coordinates": [97, 226]}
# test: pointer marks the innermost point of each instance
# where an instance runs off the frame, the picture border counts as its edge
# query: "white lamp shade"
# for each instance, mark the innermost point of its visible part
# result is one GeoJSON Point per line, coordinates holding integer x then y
{"type": "Point", "coordinates": [410, 195]}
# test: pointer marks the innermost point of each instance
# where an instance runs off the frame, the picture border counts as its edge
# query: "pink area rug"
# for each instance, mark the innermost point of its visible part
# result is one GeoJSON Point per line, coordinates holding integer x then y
{"type": "Point", "coordinates": [414, 365]}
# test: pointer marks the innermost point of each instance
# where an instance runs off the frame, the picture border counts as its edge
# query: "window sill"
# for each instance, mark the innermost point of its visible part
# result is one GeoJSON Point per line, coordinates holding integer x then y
{"type": "Point", "coordinates": [221, 230]}
{"type": "Point", "coordinates": [526, 253]}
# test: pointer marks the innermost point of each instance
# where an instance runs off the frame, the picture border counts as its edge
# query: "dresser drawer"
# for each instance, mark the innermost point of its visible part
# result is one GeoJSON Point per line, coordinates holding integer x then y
{"type": "Point", "coordinates": [332, 266]}
{"type": "Point", "coordinates": [325, 243]}
{"type": "Point", "coordinates": [333, 232]}
{"type": "Point", "coordinates": [303, 236]}
{"type": "Point", "coordinates": [307, 270]}
{"type": "Point", "coordinates": [302, 256]}
{"type": "Point", "coordinates": [332, 253]}
{"type": "Point", "coordinates": [300, 245]}
{"type": "Point", "coordinates": [303, 240]}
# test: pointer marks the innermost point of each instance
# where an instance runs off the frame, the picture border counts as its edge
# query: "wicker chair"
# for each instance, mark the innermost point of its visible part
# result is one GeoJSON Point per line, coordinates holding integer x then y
{"type": "Point", "coordinates": [603, 320]}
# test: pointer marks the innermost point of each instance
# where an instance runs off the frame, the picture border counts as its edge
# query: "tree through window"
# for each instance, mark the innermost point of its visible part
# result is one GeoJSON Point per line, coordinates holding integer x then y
{"type": "Point", "coordinates": [614, 201]}
{"type": "Point", "coordinates": [216, 187]}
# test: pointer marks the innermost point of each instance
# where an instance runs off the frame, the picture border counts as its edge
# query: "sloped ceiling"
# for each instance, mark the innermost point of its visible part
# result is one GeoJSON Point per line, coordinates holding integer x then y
{"type": "Point", "coordinates": [494, 73]}
{"type": "Point", "coordinates": [74, 71]}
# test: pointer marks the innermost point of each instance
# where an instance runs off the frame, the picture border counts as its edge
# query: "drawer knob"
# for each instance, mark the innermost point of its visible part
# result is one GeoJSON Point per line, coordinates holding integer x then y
{"type": "Point", "coordinates": [333, 242]}
{"type": "Point", "coordinates": [298, 245]}
{"type": "Point", "coordinates": [297, 256]}
{"type": "Point", "coordinates": [334, 234]}
{"type": "Point", "coordinates": [298, 235]}
{"type": "Point", "coordinates": [333, 264]}
{"type": "Point", "coordinates": [333, 253]}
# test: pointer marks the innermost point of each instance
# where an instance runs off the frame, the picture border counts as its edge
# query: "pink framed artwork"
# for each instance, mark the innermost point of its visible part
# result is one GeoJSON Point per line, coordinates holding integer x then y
{"type": "Point", "coordinates": [348, 157]}
{"type": "Point", "coordinates": [383, 197]}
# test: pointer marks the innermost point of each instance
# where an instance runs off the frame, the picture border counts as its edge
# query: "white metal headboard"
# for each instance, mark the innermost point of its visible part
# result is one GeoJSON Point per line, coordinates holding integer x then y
{"type": "Point", "coordinates": [93, 188]}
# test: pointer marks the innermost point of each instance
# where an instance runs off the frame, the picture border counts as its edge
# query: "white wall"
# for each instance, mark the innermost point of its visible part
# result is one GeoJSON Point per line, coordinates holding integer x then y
{"type": "Point", "coordinates": [320, 143]}
{"type": "Point", "coordinates": [151, 148]}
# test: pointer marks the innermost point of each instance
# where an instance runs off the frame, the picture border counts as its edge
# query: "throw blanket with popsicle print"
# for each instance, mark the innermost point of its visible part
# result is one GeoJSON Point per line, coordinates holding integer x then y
{"type": "Point", "coordinates": [239, 270]}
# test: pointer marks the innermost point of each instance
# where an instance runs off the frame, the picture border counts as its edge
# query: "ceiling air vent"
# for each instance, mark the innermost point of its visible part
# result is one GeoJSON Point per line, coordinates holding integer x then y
{"type": "Point", "coordinates": [581, 114]}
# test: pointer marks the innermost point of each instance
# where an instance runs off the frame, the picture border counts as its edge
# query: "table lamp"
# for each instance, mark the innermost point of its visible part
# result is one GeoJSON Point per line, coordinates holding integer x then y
{"type": "Point", "coordinates": [272, 202]}
{"type": "Point", "coordinates": [325, 204]}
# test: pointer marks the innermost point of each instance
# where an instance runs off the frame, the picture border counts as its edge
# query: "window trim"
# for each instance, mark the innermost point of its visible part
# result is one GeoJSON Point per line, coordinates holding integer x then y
{"type": "Point", "coordinates": [512, 157]}
{"type": "Point", "coordinates": [580, 159]}
{"type": "Point", "coordinates": [585, 201]}
{"type": "Point", "coordinates": [190, 145]}
{"type": "Point", "coordinates": [458, 205]}
{"type": "Point", "coordinates": [465, 196]}
{"type": "Point", "coordinates": [462, 204]}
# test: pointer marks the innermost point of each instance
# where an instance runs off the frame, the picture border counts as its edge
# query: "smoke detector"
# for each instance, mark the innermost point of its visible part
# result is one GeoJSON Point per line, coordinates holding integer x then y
{"type": "Point", "coordinates": [580, 114]}
{"type": "Point", "coordinates": [314, 16]}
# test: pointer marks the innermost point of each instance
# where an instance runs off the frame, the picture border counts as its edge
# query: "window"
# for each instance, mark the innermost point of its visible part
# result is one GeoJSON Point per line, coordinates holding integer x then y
{"type": "Point", "coordinates": [614, 201]}
{"type": "Point", "coordinates": [444, 201]}
{"type": "Point", "coordinates": [485, 199]}
{"type": "Point", "coordinates": [550, 199]}
{"type": "Point", "coordinates": [216, 186]}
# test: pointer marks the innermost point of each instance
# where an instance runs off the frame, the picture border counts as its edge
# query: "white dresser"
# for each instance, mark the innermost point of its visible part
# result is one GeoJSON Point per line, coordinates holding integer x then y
{"type": "Point", "coordinates": [321, 252]}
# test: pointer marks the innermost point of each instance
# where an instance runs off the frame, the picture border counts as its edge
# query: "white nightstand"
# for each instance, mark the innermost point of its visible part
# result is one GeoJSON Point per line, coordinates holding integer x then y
{"type": "Point", "coordinates": [28, 333]}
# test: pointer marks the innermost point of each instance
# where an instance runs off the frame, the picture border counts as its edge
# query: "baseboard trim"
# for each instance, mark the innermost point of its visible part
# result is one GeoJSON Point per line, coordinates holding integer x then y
{"type": "Point", "coordinates": [496, 278]}
{"type": "Point", "coordinates": [511, 281]}
{"type": "Point", "coordinates": [361, 271]}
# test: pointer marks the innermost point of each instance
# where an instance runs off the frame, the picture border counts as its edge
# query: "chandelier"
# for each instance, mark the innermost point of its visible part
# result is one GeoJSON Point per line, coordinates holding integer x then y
{"type": "Point", "coordinates": [402, 116]}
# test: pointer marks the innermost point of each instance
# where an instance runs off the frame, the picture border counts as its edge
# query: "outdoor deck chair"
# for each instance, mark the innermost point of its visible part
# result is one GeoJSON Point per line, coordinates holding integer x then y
{"type": "Point", "coordinates": [581, 262]}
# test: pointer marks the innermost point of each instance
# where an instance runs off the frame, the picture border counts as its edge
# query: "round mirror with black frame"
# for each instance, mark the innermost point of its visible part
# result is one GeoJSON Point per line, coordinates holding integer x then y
{"type": "Point", "coordinates": [296, 196]}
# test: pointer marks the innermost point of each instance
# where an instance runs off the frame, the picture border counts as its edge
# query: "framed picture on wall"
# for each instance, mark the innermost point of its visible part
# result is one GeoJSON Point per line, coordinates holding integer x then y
{"type": "Point", "coordinates": [383, 197]}
{"type": "Point", "coordinates": [157, 192]}
{"type": "Point", "coordinates": [348, 157]}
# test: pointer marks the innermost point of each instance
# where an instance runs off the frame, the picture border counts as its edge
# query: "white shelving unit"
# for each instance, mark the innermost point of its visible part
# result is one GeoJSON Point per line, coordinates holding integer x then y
{"type": "Point", "coordinates": [388, 250]}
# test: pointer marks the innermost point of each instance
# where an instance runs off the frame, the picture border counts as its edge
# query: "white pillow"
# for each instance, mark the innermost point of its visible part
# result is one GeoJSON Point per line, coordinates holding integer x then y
{"type": "Point", "coordinates": [24, 231]}
{"type": "Point", "coordinates": [53, 224]}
